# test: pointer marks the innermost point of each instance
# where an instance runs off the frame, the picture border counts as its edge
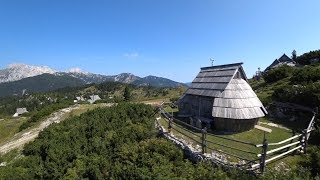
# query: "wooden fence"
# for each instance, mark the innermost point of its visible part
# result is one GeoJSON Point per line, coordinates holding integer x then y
{"type": "Point", "coordinates": [267, 155]}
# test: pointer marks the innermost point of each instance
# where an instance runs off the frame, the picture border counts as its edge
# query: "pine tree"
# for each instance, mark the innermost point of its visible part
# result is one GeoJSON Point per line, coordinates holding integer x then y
{"type": "Point", "coordinates": [127, 94]}
{"type": "Point", "coordinates": [294, 55]}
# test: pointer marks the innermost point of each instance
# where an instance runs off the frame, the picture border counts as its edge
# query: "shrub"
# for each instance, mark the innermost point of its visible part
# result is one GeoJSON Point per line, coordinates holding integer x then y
{"type": "Point", "coordinates": [307, 74]}
{"type": "Point", "coordinates": [277, 74]}
{"type": "Point", "coordinates": [308, 95]}
{"type": "Point", "coordinates": [305, 58]}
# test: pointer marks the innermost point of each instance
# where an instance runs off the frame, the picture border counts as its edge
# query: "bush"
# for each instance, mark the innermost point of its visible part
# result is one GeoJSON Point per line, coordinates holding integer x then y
{"type": "Point", "coordinates": [44, 112]}
{"type": "Point", "coordinates": [305, 58]}
{"type": "Point", "coordinates": [307, 74]}
{"type": "Point", "coordinates": [277, 74]}
{"type": "Point", "coordinates": [308, 95]}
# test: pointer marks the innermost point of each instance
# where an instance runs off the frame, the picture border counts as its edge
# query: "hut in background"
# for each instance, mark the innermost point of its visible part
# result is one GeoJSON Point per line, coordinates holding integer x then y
{"type": "Point", "coordinates": [20, 111]}
{"type": "Point", "coordinates": [92, 99]}
{"type": "Point", "coordinates": [221, 98]}
{"type": "Point", "coordinates": [283, 60]}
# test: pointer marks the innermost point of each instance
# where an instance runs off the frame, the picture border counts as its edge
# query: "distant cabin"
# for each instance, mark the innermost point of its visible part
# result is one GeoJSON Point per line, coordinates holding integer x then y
{"type": "Point", "coordinates": [93, 99]}
{"type": "Point", "coordinates": [221, 99]}
{"type": "Point", "coordinates": [20, 111]}
{"type": "Point", "coordinates": [283, 60]}
{"type": "Point", "coordinates": [78, 99]}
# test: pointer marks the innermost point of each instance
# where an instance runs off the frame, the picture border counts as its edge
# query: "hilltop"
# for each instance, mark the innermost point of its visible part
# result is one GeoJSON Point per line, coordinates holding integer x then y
{"type": "Point", "coordinates": [298, 84]}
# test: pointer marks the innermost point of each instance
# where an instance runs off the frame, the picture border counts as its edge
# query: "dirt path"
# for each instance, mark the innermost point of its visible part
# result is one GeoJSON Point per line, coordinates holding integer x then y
{"type": "Point", "coordinates": [20, 139]}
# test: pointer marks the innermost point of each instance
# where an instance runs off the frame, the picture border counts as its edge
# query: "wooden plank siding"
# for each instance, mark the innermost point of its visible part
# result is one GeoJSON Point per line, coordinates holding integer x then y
{"type": "Point", "coordinates": [223, 90]}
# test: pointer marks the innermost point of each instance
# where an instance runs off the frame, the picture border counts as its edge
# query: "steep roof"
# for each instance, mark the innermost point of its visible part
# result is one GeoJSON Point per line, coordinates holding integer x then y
{"type": "Point", "coordinates": [233, 96]}
{"type": "Point", "coordinates": [238, 101]}
{"type": "Point", "coordinates": [212, 80]}
{"type": "Point", "coordinates": [284, 59]}
{"type": "Point", "coordinates": [21, 110]}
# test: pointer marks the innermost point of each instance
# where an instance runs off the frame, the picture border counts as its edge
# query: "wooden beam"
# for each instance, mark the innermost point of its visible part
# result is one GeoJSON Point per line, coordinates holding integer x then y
{"type": "Point", "coordinates": [263, 128]}
{"type": "Point", "coordinates": [280, 148]}
{"type": "Point", "coordinates": [283, 154]}
{"type": "Point", "coordinates": [281, 142]}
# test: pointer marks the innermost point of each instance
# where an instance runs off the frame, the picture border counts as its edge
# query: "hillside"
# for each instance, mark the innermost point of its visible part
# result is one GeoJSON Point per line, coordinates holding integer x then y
{"type": "Point", "coordinates": [108, 91]}
{"type": "Point", "coordinates": [156, 82]}
{"type": "Point", "coordinates": [40, 83]}
{"type": "Point", "coordinates": [111, 143]}
{"type": "Point", "coordinates": [17, 77]}
{"type": "Point", "coordinates": [299, 85]}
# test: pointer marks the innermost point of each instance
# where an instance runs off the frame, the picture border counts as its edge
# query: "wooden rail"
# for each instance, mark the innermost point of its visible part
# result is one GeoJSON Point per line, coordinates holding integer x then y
{"type": "Point", "coordinates": [245, 151]}
{"type": "Point", "coordinates": [281, 142]}
{"type": "Point", "coordinates": [187, 136]}
{"type": "Point", "coordinates": [278, 156]}
{"type": "Point", "coordinates": [234, 140]}
{"type": "Point", "coordinates": [280, 148]}
{"type": "Point", "coordinates": [300, 144]}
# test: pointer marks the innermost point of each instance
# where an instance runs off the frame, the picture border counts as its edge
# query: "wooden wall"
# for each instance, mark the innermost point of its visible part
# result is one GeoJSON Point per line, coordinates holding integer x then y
{"type": "Point", "coordinates": [197, 106]}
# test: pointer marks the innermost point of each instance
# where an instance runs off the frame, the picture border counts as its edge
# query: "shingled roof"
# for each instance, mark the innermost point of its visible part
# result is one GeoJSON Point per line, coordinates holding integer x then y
{"type": "Point", "coordinates": [211, 81]}
{"type": "Point", "coordinates": [284, 59]}
{"type": "Point", "coordinates": [233, 96]}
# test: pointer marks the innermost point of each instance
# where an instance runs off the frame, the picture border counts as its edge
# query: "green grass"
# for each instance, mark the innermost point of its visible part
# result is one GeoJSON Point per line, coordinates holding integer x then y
{"type": "Point", "coordinates": [83, 108]}
{"type": "Point", "coordinates": [10, 156]}
{"type": "Point", "coordinates": [254, 136]}
{"type": "Point", "coordinates": [264, 90]}
{"type": "Point", "coordinates": [9, 127]}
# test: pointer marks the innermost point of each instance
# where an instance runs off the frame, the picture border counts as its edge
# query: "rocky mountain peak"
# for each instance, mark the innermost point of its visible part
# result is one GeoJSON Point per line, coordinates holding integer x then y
{"type": "Point", "coordinates": [18, 71]}
{"type": "Point", "coordinates": [77, 70]}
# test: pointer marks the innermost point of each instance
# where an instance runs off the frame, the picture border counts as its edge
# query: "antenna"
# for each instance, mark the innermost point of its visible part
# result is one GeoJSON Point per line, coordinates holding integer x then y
{"type": "Point", "coordinates": [212, 60]}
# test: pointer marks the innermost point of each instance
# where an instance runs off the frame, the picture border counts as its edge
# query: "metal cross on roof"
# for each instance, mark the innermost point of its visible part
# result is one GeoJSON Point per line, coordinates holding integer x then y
{"type": "Point", "coordinates": [212, 60]}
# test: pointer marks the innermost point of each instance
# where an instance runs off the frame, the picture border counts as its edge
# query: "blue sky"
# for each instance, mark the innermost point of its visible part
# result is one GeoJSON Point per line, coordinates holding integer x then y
{"type": "Point", "coordinates": [169, 38]}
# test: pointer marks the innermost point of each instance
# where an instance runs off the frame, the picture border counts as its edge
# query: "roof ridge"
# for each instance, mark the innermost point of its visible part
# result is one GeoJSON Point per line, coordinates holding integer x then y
{"type": "Point", "coordinates": [223, 65]}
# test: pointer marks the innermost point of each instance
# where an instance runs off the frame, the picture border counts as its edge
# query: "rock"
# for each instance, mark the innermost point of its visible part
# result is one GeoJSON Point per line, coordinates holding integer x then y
{"type": "Point", "coordinates": [3, 164]}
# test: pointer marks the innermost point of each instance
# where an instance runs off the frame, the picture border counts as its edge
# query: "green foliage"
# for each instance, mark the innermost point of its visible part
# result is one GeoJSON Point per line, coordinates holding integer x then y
{"type": "Point", "coordinates": [43, 112]}
{"type": "Point", "coordinates": [306, 74]}
{"type": "Point", "coordinates": [312, 161]}
{"type": "Point", "coordinates": [41, 83]}
{"type": "Point", "coordinates": [294, 55]}
{"type": "Point", "coordinates": [111, 143]}
{"type": "Point", "coordinates": [308, 95]}
{"type": "Point", "coordinates": [306, 58]}
{"type": "Point", "coordinates": [109, 86]}
{"type": "Point", "coordinates": [174, 99]}
{"type": "Point", "coordinates": [277, 74]}
{"type": "Point", "coordinates": [127, 93]}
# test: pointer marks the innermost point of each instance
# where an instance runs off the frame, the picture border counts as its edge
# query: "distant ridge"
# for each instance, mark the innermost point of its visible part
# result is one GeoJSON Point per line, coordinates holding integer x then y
{"type": "Point", "coordinates": [17, 77]}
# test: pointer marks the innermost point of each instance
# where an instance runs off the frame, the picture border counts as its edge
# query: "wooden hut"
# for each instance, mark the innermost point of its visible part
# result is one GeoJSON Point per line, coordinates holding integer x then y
{"type": "Point", "coordinates": [222, 99]}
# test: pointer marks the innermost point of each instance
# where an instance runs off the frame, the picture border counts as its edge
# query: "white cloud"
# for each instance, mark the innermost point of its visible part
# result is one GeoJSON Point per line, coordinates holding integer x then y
{"type": "Point", "coordinates": [132, 55]}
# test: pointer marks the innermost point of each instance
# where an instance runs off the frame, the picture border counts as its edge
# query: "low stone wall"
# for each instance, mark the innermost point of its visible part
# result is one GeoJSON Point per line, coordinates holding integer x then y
{"type": "Point", "coordinates": [194, 152]}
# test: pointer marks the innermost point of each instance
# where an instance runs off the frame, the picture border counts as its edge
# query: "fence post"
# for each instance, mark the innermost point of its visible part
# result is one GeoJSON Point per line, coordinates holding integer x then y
{"type": "Point", "coordinates": [204, 142]}
{"type": "Point", "coordinates": [305, 140]}
{"type": "Point", "coordinates": [263, 155]}
{"type": "Point", "coordinates": [170, 125]}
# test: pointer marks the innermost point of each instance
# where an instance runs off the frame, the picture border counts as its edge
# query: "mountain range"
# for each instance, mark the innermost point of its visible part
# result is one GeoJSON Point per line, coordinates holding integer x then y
{"type": "Point", "coordinates": [17, 77]}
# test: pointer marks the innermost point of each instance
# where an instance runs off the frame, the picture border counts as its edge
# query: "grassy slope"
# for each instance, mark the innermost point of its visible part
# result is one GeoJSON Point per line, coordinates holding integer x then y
{"type": "Point", "coordinates": [265, 90]}
{"type": "Point", "coordinates": [9, 127]}
{"type": "Point", "coordinates": [255, 136]}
